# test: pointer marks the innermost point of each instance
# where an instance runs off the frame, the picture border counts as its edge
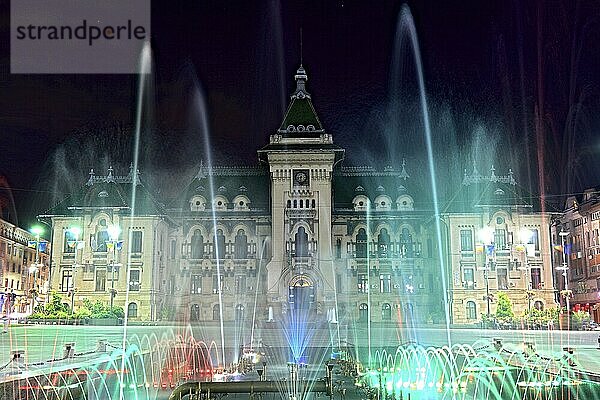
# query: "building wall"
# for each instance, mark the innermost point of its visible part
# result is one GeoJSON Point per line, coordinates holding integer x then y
{"type": "Point", "coordinates": [509, 266]}
{"type": "Point", "coordinates": [581, 220]}
{"type": "Point", "coordinates": [16, 259]}
{"type": "Point", "coordinates": [91, 266]}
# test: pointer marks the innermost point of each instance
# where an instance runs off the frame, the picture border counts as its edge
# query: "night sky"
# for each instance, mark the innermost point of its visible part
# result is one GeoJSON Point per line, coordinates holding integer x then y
{"type": "Point", "coordinates": [512, 82]}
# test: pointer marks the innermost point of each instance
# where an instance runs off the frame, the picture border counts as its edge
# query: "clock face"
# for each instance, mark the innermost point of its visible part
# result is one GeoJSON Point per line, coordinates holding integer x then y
{"type": "Point", "coordinates": [301, 177]}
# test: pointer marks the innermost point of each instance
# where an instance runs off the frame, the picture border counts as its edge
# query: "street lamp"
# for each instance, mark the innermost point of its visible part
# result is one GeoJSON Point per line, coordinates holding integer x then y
{"type": "Point", "coordinates": [34, 268]}
{"type": "Point", "coordinates": [525, 236]}
{"type": "Point", "coordinates": [486, 236]}
{"type": "Point", "coordinates": [565, 269]}
{"type": "Point", "coordinates": [75, 231]}
{"type": "Point", "coordinates": [113, 232]}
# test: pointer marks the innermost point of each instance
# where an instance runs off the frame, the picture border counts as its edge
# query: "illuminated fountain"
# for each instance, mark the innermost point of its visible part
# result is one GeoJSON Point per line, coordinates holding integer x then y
{"type": "Point", "coordinates": [150, 367]}
{"type": "Point", "coordinates": [488, 371]}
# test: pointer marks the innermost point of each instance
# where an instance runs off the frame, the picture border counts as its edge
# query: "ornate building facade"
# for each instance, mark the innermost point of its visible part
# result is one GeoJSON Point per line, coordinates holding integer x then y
{"type": "Point", "coordinates": [497, 240]}
{"type": "Point", "coordinates": [298, 232]}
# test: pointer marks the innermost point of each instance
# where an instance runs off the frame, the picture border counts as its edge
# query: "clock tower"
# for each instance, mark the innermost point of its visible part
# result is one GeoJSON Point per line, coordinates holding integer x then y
{"type": "Point", "coordinates": [301, 158]}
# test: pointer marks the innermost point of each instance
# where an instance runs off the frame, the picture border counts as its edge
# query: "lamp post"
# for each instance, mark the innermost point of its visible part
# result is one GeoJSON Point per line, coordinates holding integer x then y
{"type": "Point", "coordinates": [113, 232]}
{"type": "Point", "coordinates": [34, 268]}
{"type": "Point", "coordinates": [525, 236]}
{"type": "Point", "coordinates": [75, 231]}
{"type": "Point", "coordinates": [486, 235]}
{"type": "Point", "coordinates": [565, 269]}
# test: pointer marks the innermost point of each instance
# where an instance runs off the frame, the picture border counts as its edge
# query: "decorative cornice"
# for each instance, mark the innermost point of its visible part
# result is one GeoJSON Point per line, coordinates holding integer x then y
{"type": "Point", "coordinates": [476, 177]}
{"type": "Point", "coordinates": [131, 177]}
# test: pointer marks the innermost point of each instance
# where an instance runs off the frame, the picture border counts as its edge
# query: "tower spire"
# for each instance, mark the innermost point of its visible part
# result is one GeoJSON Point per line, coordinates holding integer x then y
{"type": "Point", "coordinates": [300, 46]}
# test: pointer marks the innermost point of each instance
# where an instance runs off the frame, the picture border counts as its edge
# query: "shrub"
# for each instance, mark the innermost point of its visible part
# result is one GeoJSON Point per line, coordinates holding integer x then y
{"type": "Point", "coordinates": [504, 310]}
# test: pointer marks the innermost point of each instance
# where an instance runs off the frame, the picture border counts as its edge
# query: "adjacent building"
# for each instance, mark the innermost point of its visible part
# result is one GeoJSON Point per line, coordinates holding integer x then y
{"type": "Point", "coordinates": [498, 239]}
{"type": "Point", "coordinates": [577, 252]}
{"type": "Point", "coordinates": [24, 268]}
{"type": "Point", "coordinates": [111, 244]}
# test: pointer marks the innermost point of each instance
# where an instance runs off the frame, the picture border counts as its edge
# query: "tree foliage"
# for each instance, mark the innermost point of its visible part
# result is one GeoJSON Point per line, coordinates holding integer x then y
{"type": "Point", "coordinates": [504, 310]}
{"type": "Point", "coordinates": [57, 309]}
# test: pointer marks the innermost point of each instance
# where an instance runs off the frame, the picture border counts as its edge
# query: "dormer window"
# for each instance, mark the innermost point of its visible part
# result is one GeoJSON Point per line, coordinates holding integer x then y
{"type": "Point", "coordinates": [383, 203]}
{"type": "Point", "coordinates": [499, 192]}
{"type": "Point", "coordinates": [241, 203]}
{"type": "Point", "coordinates": [220, 203]}
{"type": "Point", "coordinates": [360, 202]}
{"type": "Point", "coordinates": [405, 203]}
{"type": "Point", "coordinates": [197, 203]}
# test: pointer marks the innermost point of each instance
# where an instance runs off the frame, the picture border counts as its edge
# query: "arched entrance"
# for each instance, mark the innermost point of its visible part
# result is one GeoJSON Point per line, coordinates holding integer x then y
{"type": "Point", "coordinates": [301, 294]}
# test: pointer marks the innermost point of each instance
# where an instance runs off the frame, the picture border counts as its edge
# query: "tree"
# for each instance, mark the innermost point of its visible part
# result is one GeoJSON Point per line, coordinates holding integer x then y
{"type": "Point", "coordinates": [504, 310]}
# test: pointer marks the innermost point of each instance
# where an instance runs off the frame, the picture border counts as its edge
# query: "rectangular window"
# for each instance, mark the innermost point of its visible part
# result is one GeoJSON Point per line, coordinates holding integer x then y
{"type": "Point", "coordinates": [240, 284]}
{"type": "Point", "coordinates": [215, 284]}
{"type": "Point", "coordinates": [338, 283]}
{"type": "Point", "coordinates": [466, 240]}
{"type": "Point", "coordinates": [385, 283]}
{"type": "Point", "coordinates": [500, 239]}
{"type": "Point", "coordinates": [173, 250]}
{"type": "Point", "coordinates": [363, 283]}
{"type": "Point", "coordinates": [536, 281]}
{"type": "Point", "coordinates": [535, 239]}
{"type": "Point", "coordinates": [67, 280]}
{"type": "Point", "coordinates": [502, 278]}
{"type": "Point", "coordinates": [136, 241]}
{"type": "Point", "coordinates": [469, 278]}
{"type": "Point", "coordinates": [100, 280]}
{"type": "Point", "coordinates": [134, 280]}
{"type": "Point", "coordinates": [429, 248]}
{"type": "Point", "coordinates": [196, 284]}
{"type": "Point", "coordinates": [170, 286]}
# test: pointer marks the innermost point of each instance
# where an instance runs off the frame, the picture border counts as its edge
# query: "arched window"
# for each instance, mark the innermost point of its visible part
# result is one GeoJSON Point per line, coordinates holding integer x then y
{"type": "Point", "coordinates": [363, 312]}
{"type": "Point", "coordinates": [194, 313]}
{"type": "Point", "coordinates": [239, 313]}
{"type": "Point", "coordinates": [295, 203]}
{"type": "Point", "coordinates": [361, 243]}
{"type": "Point", "coordinates": [386, 312]}
{"type": "Point", "coordinates": [70, 242]}
{"type": "Point", "coordinates": [101, 236]}
{"type": "Point", "coordinates": [538, 305]}
{"type": "Point", "coordinates": [301, 203]}
{"type": "Point", "coordinates": [219, 250]}
{"type": "Point", "coordinates": [301, 242]}
{"type": "Point", "coordinates": [383, 243]}
{"type": "Point", "coordinates": [471, 310]}
{"type": "Point", "coordinates": [197, 244]}
{"type": "Point", "coordinates": [313, 203]}
{"type": "Point", "coordinates": [289, 204]}
{"type": "Point", "coordinates": [406, 243]}
{"type": "Point", "coordinates": [216, 312]}
{"type": "Point", "coordinates": [241, 245]}
{"type": "Point", "coordinates": [132, 310]}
